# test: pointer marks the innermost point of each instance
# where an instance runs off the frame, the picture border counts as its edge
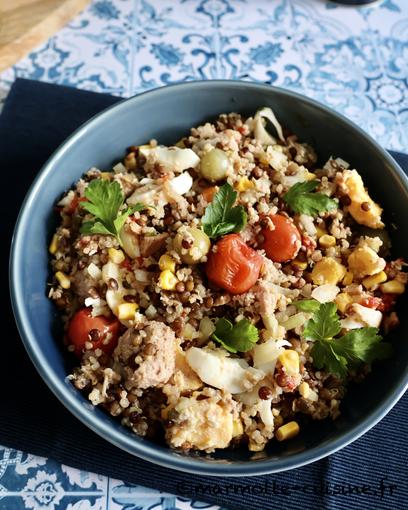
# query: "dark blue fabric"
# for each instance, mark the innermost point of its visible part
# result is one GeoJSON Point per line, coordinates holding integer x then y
{"type": "Point", "coordinates": [36, 119]}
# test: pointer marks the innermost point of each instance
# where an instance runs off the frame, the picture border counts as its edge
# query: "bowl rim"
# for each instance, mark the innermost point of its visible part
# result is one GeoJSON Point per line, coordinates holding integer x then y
{"type": "Point", "coordinates": [146, 450]}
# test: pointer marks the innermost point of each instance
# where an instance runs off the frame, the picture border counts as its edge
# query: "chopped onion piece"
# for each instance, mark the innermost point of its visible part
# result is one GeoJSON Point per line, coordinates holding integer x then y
{"type": "Point", "coordinates": [94, 271]}
{"type": "Point", "coordinates": [174, 158]}
{"type": "Point", "coordinates": [368, 316]}
{"type": "Point", "coordinates": [182, 183]}
{"type": "Point", "coordinates": [265, 412]}
{"type": "Point", "coordinates": [266, 354]}
{"type": "Point", "coordinates": [130, 243]}
{"type": "Point", "coordinates": [99, 306]}
{"type": "Point", "coordinates": [144, 195]}
{"type": "Point", "coordinates": [119, 168]}
{"type": "Point", "coordinates": [206, 328]}
{"type": "Point", "coordinates": [260, 132]}
{"type": "Point", "coordinates": [325, 293]}
{"type": "Point", "coordinates": [229, 374]}
{"type": "Point", "coordinates": [294, 321]}
{"type": "Point", "coordinates": [142, 276]}
{"type": "Point", "coordinates": [151, 312]}
{"type": "Point", "coordinates": [110, 270]}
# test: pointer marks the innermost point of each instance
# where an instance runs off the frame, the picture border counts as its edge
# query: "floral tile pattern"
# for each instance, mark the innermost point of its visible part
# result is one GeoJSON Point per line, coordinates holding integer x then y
{"type": "Point", "coordinates": [31, 482]}
{"type": "Point", "coordinates": [353, 59]}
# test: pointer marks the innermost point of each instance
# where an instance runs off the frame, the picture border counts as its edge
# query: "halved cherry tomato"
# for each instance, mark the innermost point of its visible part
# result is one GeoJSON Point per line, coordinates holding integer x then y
{"type": "Point", "coordinates": [208, 193]}
{"type": "Point", "coordinates": [371, 302]}
{"type": "Point", "coordinates": [103, 333]}
{"type": "Point", "coordinates": [233, 266]}
{"type": "Point", "coordinates": [283, 242]}
{"type": "Point", "coordinates": [71, 208]}
{"type": "Point", "coordinates": [387, 302]}
{"type": "Point", "coordinates": [127, 264]}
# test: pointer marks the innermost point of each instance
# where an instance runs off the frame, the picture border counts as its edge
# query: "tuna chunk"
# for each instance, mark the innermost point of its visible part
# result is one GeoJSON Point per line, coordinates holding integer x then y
{"type": "Point", "coordinates": [148, 355]}
{"type": "Point", "coordinates": [149, 245]}
{"type": "Point", "coordinates": [82, 283]}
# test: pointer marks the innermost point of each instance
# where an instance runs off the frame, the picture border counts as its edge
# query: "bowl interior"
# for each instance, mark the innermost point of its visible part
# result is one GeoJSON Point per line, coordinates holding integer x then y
{"type": "Point", "coordinates": [166, 115]}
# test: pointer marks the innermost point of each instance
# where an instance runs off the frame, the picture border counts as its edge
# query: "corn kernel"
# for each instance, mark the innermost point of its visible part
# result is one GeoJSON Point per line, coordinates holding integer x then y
{"type": "Point", "coordinates": [189, 332]}
{"type": "Point", "coordinates": [63, 280]}
{"type": "Point", "coordinates": [106, 176]}
{"type": "Point", "coordinates": [348, 279]}
{"type": "Point", "coordinates": [307, 393]}
{"type": "Point", "coordinates": [290, 361]}
{"type": "Point", "coordinates": [164, 413]}
{"type": "Point", "coordinates": [244, 184]}
{"type": "Point", "coordinates": [126, 311]}
{"type": "Point", "coordinates": [167, 262]}
{"type": "Point", "coordinates": [287, 431]}
{"type": "Point", "coordinates": [393, 287]}
{"type": "Point", "coordinates": [116, 256]}
{"type": "Point", "coordinates": [372, 282]}
{"type": "Point", "coordinates": [237, 428]}
{"type": "Point", "coordinates": [310, 176]}
{"type": "Point", "coordinates": [255, 447]}
{"type": "Point", "coordinates": [299, 264]}
{"type": "Point", "coordinates": [278, 421]}
{"type": "Point", "coordinates": [320, 232]}
{"type": "Point", "coordinates": [304, 389]}
{"type": "Point", "coordinates": [343, 300]}
{"type": "Point", "coordinates": [327, 241]}
{"type": "Point", "coordinates": [328, 270]}
{"type": "Point", "coordinates": [364, 261]}
{"type": "Point", "coordinates": [53, 245]}
{"type": "Point", "coordinates": [167, 280]}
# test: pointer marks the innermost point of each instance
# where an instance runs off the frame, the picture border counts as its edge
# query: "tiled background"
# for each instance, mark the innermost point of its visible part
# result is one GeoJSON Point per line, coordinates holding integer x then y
{"type": "Point", "coordinates": [355, 60]}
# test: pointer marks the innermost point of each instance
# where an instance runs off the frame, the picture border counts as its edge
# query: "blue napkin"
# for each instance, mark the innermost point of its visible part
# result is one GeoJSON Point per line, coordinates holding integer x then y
{"type": "Point", "coordinates": [371, 473]}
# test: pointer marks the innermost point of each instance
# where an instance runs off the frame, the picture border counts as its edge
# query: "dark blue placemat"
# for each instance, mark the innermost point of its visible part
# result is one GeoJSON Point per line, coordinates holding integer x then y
{"type": "Point", "coordinates": [369, 474]}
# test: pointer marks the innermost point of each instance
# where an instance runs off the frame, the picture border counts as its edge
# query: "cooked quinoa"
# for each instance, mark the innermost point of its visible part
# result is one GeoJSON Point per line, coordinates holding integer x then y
{"type": "Point", "coordinates": [194, 289]}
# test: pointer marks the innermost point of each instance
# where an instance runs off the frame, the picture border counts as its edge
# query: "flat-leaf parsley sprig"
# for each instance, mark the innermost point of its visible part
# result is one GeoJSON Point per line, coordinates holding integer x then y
{"type": "Point", "coordinates": [221, 217]}
{"type": "Point", "coordinates": [104, 201]}
{"type": "Point", "coordinates": [302, 199]}
{"type": "Point", "coordinates": [238, 337]}
{"type": "Point", "coordinates": [338, 355]}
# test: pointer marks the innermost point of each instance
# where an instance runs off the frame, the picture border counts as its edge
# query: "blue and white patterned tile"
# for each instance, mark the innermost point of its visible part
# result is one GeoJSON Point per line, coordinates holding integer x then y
{"type": "Point", "coordinates": [354, 60]}
{"type": "Point", "coordinates": [37, 483]}
{"type": "Point", "coordinates": [92, 52]}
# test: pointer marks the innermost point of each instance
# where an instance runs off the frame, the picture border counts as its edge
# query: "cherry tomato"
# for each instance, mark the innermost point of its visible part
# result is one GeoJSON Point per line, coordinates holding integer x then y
{"type": "Point", "coordinates": [283, 242]}
{"type": "Point", "coordinates": [372, 302]}
{"type": "Point", "coordinates": [127, 264]}
{"type": "Point", "coordinates": [387, 302]}
{"type": "Point", "coordinates": [72, 207]}
{"type": "Point", "coordinates": [103, 333]}
{"type": "Point", "coordinates": [233, 266]}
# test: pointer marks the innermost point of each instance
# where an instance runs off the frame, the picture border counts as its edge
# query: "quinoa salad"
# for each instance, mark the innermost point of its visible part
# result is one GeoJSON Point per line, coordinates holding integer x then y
{"type": "Point", "coordinates": [223, 291]}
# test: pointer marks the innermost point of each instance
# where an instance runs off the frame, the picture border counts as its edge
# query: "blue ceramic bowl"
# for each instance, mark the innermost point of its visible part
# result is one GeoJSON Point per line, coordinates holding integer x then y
{"type": "Point", "coordinates": [167, 114]}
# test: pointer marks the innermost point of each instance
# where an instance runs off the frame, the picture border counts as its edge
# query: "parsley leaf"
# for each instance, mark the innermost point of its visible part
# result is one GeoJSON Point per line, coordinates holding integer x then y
{"type": "Point", "coordinates": [302, 201]}
{"type": "Point", "coordinates": [104, 202]}
{"type": "Point", "coordinates": [325, 356]}
{"type": "Point", "coordinates": [324, 324]}
{"type": "Point", "coordinates": [307, 305]}
{"type": "Point", "coordinates": [236, 337]}
{"type": "Point", "coordinates": [364, 344]}
{"type": "Point", "coordinates": [221, 217]}
{"type": "Point", "coordinates": [337, 355]}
